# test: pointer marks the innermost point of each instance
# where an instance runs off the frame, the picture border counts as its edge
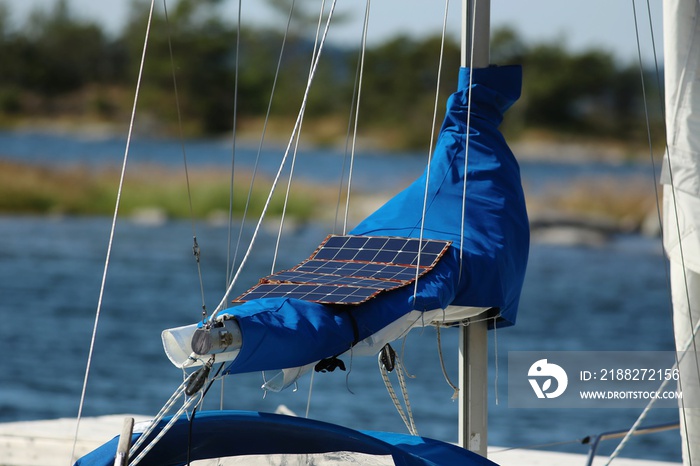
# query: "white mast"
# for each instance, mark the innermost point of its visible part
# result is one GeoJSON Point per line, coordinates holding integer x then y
{"type": "Point", "coordinates": [473, 349]}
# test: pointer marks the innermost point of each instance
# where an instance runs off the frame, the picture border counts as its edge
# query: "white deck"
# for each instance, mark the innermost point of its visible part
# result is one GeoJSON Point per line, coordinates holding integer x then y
{"type": "Point", "coordinates": [49, 443]}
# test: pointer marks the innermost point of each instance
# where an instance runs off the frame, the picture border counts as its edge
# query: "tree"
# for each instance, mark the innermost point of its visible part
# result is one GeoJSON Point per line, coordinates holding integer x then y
{"type": "Point", "coordinates": [61, 53]}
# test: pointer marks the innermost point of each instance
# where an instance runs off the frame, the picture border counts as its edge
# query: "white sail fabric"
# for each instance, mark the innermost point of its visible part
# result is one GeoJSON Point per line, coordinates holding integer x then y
{"type": "Point", "coordinates": [681, 207]}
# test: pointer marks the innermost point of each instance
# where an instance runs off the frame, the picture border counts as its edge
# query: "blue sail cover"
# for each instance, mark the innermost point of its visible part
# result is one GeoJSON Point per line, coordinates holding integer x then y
{"type": "Point", "coordinates": [493, 242]}
{"type": "Point", "coordinates": [483, 267]}
{"type": "Point", "coordinates": [216, 434]}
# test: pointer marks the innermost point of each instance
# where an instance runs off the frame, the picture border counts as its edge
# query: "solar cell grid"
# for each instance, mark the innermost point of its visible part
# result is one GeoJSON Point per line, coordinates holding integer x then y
{"type": "Point", "coordinates": [326, 294]}
{"type": "Point", "coordinates": [358, 270]}
{"type": "Point", "coordinates": [348, 269]}
{"type": "Point", "coordinates": [295, 276]}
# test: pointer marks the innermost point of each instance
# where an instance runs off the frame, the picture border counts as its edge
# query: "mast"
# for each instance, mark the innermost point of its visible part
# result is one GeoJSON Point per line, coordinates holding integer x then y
{"type": "Point", "coordinates": [473, 349]}
{"type": "Point", "coordinates": [482, 32]}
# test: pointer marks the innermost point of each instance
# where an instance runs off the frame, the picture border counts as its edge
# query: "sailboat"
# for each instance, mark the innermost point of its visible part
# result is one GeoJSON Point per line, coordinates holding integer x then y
{"type": "Point", "coordinates": [449, 250]}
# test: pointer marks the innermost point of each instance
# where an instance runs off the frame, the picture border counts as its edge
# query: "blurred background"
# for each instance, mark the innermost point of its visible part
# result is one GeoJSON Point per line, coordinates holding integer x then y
{"type": "Point", "coordinates": [596, 278]}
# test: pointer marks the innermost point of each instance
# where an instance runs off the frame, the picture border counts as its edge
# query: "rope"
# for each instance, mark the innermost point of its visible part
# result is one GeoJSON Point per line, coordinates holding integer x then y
{"type": "Point", "coordinates": [195, 246]}
{"type": "Point", "coordinates": [296, 150]}
{"type": "Point", "coordinates": [229, 238]}
{"type": "Point", "coordinates": [495, 359]}
{"type": "Point", "coordinates": [318, 29]}
{"type": "Point", "coordinates": [582, 441]}
{"type": "Point", "coordinates": [111, 235]}
{"type": "Point", "coordinates": [466, 136]}
{"type": "Point", "coordinates": [279, 171]}
{"type": "Point", "coordinates": [455, 395]}
{"type": "Point", "coordinates": [407, 415]}
{"type": "Point", "coordinates": [349, 138]}
{"type": "Point", "coordinates": [353, 144]}
{"type": "Point", "coordinates": [648, 407]}
{"type": "Point", "coordinates": [257, 158]}
{"type": "Point", "coordinates": [432, 142]}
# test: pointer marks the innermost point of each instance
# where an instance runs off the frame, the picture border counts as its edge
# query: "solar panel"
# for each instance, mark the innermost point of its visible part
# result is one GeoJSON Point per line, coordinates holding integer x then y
{"type": "Point", "coordinates": [348, 269]}
{"type": "Point", "coordinates": [326, 294]}
{"type": "Point", "coordinates": [371, 270]}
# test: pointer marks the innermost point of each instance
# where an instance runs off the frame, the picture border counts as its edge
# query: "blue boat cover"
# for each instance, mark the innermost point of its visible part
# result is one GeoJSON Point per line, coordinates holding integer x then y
{"type": "Point", "coordinates": [484, 266]}
{"type": "Point", "coordinates": [237, 433]}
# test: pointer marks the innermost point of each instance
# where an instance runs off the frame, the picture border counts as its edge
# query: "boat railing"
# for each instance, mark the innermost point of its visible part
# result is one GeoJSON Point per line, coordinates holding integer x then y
{"type": "Point", "coordinates": [595, 440]}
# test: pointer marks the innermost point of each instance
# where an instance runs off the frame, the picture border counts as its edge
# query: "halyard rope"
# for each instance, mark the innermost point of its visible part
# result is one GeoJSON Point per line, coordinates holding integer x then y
{"type": "Point", "coordinates": [279, 171]}
{"type": "Point", "coordinates": [111, 233]}
{"type": "Point", "coordinates": [357, 113]}
{"type": "Point", "coordinates": [466, 138]}
{"type": "Point", "coordinates": [407, 415]}
{"type": "Point", "coordinates": [432, 141]}
{"type": "Point", "coordinates": [229, 271]}
{"type": "Point", "coordinates": [195, 246]}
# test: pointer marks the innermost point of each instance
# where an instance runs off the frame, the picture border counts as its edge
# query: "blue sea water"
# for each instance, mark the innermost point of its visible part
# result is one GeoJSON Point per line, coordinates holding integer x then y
{"type": "Point", "coordinates": [610, 297]}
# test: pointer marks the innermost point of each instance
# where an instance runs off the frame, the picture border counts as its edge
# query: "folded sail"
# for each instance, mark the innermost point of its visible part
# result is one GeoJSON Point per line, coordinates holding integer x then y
{"type": "Point", "coordinates": [494, 234]}
{"type": "Point", "coordinates": [681, 178]}
{"type": "Point", "coordinates": [483, 267]}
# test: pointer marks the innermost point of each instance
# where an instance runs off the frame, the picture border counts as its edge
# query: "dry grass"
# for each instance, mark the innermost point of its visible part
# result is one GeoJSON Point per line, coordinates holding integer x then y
{"type": "Point", "coordinates": [624, 203]}
{"type": "Point", "coordinates": [81, 191]}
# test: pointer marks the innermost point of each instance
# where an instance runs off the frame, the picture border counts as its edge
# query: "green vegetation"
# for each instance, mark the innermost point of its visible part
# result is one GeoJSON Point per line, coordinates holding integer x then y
{"type": "Point", "coordinates": [57, 67]}
{"type": "Point", "coordinates": [27, 189]}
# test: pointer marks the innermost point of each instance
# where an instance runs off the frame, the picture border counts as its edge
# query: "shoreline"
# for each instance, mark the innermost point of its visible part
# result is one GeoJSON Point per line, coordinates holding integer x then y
{"type": "Point", "coordinates": [532, 146]}
{"type": "Point", "coordinates": [585, 211]}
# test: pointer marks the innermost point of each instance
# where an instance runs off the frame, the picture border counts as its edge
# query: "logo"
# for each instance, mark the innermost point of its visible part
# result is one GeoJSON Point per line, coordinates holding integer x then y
{"type": "Point", "coordinates": [546, 372]}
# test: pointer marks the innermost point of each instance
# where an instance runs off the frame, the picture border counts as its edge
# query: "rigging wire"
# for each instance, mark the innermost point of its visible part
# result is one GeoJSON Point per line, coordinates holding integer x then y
{"type": "Point", "coordinates": [581, 441]}
{"type": "Point", "coordinates": [230, 281]}
{"type": "Point", "coordinates": [691, 341]}
{"type": "Point", "coordinates": [357, 115]}
{"type": "Point", "coordinates": [680, 245]}
{"type": "Point", "coordinates": [234, 126]}
{"type": "Point", "coordinates": [190, 400]}
{"type": "Point", "coordinates": [286, 200]}
{"type": "Point", "coordinates": [432, 143]}
{"type": "Point", "coordinates": [112, 230]}
{"type": "Point", "coordinates": [466, 135]}
{"type": "Point", "coordinates": [234, 139]}
{"type": "Point", "coordinates": [285, 204]}
{"type": "Point", "coordinates": [354, 106]}
{"type": "Point", "coordinates": [279, 171]}
{"type": "Point", "coordinates": [195, 246]}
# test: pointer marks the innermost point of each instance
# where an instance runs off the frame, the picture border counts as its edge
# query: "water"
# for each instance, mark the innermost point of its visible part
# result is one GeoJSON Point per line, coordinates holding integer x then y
{"type": "Point", "coordinates": [315, 165]}
{"type": "Point", "coordinates": [611, 297]}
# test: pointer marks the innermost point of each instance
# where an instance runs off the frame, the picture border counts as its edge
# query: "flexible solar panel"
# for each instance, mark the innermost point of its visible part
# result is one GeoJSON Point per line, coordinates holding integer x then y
{"type": "Point", "coordinates": [348, 269]}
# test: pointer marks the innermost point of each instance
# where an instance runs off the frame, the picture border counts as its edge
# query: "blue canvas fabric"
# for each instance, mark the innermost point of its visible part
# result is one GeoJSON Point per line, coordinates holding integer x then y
{"type": "Point", "coordinates": [236, 433]}
{"type": "Point", "coordinates": [484, 269]}
{"type": "Point", "coordinates": [495, 236]}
